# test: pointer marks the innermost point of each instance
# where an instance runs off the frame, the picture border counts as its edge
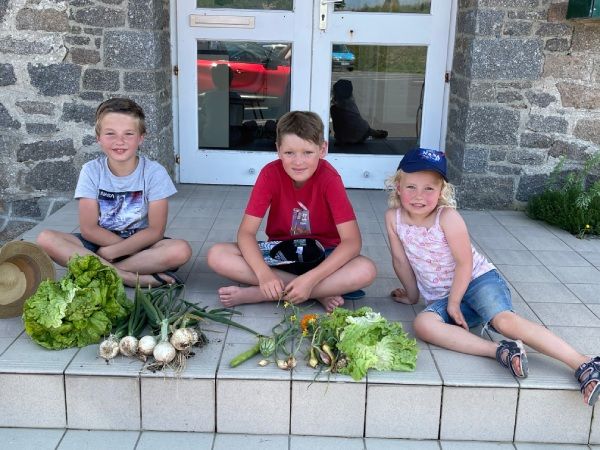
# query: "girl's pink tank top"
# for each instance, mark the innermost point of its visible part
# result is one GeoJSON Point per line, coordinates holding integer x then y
{"type": "Point", "coordinates": [431, 259]}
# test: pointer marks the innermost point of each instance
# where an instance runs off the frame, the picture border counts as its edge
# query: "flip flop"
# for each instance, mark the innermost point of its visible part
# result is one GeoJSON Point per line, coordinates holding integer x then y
{"type": "Point", "coordinates": [164, 282]}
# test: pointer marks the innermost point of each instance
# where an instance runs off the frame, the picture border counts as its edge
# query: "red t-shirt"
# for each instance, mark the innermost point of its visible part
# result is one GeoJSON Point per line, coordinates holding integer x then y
{"type": "Point", "coordinates": [323, 194]}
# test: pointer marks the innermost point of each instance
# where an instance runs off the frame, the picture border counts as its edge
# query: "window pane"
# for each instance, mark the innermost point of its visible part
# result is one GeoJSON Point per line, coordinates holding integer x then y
{"type": "Point", "coordinates": [243, 88]}
{"type": "Point", "coordinates": [246, 4]}
{"type": "Point", "coordinates": [376, 101]}
{"type": "Point", "coordinates": [391, 6]}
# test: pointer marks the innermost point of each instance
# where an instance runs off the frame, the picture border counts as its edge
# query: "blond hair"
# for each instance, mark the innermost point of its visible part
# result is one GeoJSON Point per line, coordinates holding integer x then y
{"type": "Point", "coordinates": [447, 196]}
{"type": "Point", "coordinates": [121, 106]}
{"type": "Point", "coordinates": [307, 125]}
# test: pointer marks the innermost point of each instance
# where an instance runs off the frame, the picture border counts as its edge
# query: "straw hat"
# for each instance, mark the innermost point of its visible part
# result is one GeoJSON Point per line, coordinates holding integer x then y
{"type": "Point", "coordinates": [23, 266]}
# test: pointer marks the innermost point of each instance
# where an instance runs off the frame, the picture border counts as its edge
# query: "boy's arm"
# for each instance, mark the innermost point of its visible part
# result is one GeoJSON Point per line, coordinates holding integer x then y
{"type": "Point", "coordinates": [157, 222]}
{"type": "Point", "coordinates": [457, 236]}
{"type": "Point", "coordinates": [89, 213]}
{"type": "Point", "coordinates": [269, 283]}
{"type": "Point", "coordinates": [349, 247]}
{"type": "Point", "coordinates": [400, 262]}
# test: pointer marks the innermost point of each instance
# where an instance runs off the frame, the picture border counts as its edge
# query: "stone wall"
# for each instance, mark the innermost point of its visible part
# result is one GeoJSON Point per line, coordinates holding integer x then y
{"type": "Point", "coordinates": [58, 61]}
{"type": "Point", "coordinates": [525, 91]}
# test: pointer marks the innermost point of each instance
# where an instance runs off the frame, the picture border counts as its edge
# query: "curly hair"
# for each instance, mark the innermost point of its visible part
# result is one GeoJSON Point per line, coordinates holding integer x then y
{"type": "Point", "coordinates": [447, 196]}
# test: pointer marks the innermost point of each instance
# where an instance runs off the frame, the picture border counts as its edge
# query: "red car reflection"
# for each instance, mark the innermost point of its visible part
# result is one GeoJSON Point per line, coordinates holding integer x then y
{"type": "Point", "coordinates": [260, 71]}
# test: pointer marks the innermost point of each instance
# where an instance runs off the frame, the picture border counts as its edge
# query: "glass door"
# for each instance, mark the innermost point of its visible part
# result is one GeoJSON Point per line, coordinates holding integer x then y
{"type": "Point", "coordinates": [385, 62]}
{"type": "Point", "coordinates": [372, 69]}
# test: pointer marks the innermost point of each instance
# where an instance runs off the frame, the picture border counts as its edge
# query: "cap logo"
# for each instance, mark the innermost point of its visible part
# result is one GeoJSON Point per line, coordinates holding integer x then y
{"type": "Point", "coordinates": [430, 155]}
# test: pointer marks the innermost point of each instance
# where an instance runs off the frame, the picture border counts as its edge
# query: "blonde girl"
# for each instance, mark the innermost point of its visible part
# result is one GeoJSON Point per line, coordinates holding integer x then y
{"type": "Point", "coordinates": [433, 258]}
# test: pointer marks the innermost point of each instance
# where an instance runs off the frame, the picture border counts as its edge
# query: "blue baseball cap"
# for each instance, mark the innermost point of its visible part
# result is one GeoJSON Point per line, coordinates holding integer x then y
{"type": "Point", "coordinates": [418, 159]}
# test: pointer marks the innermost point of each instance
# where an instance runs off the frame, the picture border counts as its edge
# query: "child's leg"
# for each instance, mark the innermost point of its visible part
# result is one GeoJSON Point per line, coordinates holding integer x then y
{"type": "Point", "coordinates": [226, 259]}
{"type": "Point", "coordinates": [61, 246]}
{"type": "Point", "coordinates": [166, 254]}
{"type": "Point", "coordinates": [543, 340]}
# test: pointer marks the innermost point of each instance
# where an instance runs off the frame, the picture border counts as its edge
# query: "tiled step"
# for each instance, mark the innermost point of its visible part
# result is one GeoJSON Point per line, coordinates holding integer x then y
{"type": "Point", "coordinates": [449, 397]}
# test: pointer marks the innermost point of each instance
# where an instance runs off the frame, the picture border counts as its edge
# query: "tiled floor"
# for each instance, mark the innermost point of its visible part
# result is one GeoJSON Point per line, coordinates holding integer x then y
{"type": "Point", "coordinates": [554, 278]}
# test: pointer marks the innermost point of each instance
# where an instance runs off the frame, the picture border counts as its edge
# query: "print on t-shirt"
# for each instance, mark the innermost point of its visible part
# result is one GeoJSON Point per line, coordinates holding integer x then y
{"type": "Point", "coordinates": [118, 210]}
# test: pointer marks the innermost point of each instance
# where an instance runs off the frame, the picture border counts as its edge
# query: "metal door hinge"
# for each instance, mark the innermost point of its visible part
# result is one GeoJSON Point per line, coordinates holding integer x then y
{"type": "Point", "coordinates": [447, 77]}
{"type": "Point", "coordinates": [175, 70]}
{"type": "Point", "coordinates": [177, 160]}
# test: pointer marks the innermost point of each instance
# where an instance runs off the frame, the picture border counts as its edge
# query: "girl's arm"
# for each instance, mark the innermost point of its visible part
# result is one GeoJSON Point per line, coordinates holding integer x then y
{"type": "Point", "coordinates": [455, 229]}
{"type": "Point", "coordinates": [269, 283]}
{"type": "Point", "coordinates": [400, 261]}
{"type": "Point", "coordinates": [299, 288]}
{"type": "Point", "coordinates": [157, 223]}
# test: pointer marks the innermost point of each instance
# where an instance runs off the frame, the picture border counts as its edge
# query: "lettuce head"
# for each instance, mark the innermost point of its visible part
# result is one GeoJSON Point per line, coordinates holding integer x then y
{"type": "Point", "coordinates": [79, 309]}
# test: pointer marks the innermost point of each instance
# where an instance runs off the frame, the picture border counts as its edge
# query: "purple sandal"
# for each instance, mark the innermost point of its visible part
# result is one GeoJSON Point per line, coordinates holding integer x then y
{"type": "Point", "coordinates": [588, 373]}
{"type": "Point", "coordinates": [507, 351]}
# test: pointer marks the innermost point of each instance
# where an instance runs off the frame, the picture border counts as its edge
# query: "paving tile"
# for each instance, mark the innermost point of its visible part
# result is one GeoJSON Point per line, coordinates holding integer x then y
{"type": "Point", "coordinates": [587, 293]}
{"type": "Point", "coordinates": [464, 445]}
{"type": "Point", "coordinates": [595, 308]}
{"type": "Point", "coordinates": [565, 314]}
{"type": "Point", "coordinates": [11, 327]}
{"type": "Point", "coordinates": [473, 218]}
{"type": "Point", "coordinates": [103, 402]}
{"type": "Point", "coordinates": [5, 343]}
{"type": "Point", "coordinates": [459, 369]}
{"type": "Point", "coordinates": [548, 373]}
{"type": "Point", "coordinates": [532, 274]}
{"type": "Point", "coordinates": [591, 257]}
{"type": "Point", "coordinates": [499, 243]}
{"type": "Point", "coordinates": [577, 274]}
{"type": "Point", "coordinates": [538, 240]}
{"type": "Point", "coordinates": [382, 287]}
{"type": "Point", "coordinates": [87, 362]}
{"type": "Point", "coordinates": [426, 373]}
{"type": "Point", "coordinates": [25, 356]}
{"type": "Point", "coordinates": [30, 438]}
{"type": "Point", "coordinates": [99, 440]}
{"type": "Point", "coordinates": [271, 310]}
{"type": "Point", "coordinates": [207, 282]}
{"type": "Point", "coordinates": [178, 404]}
{"type": "Point", "coordinates": [524, 310]}
{"type": "Point", "coordinates": [253, 406]}
{"type": "Point", "coordinates": [23, 396]}
{"type": "Point", "coordinates": [325, 443]}
{"type": "Point", "coordinates": [513, 257]}
{"type": "Point", "coordinates": [552, 416]}
{"type": "Point", "coordinates": [392, 444]}
{"type": "Point", "coordinates": [544, 292]}
{"type": "Point", "coordinates": [152, 440]}
{"type": "Point", "coordinates": [567, 258]}
{"type": "Point", "coordinates": [386, 403]}
{"type": "Point", "coordinates": [251, 442]}
{"type": "Point", "coordinates": [478, 407]}
{"type": "Point", "coordinates": [586, 340]}
{"type": "Point", "coordinates": [546, 446]}
{"type": "Point", "coordinates": [388, 308]}
{"type": "Point", "coordinates": [324, 408]}
{"type": "Point", "coordinates": [595, 433]}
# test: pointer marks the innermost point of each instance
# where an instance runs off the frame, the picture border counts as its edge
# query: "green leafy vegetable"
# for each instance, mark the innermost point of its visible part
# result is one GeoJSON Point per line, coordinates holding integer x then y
{"type": "Point", "coordinates": [79, 309]}
{"type": "Point", "coordinates": [369, 341]}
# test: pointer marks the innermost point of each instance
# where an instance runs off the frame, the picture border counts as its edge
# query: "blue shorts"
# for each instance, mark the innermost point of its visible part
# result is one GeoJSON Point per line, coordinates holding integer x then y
{"type": "Point", "coordinates": [486, 296]}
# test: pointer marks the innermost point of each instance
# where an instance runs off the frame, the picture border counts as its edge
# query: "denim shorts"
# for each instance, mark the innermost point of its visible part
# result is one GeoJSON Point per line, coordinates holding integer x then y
{"type": "Point", "coordinates": [486, 296]}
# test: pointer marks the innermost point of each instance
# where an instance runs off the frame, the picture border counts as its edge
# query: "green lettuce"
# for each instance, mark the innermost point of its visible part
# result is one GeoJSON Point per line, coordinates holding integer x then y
{"type": "Point", "coordinates": [369, 341]}
{"type": "Point", "coordinates": [78, 310]}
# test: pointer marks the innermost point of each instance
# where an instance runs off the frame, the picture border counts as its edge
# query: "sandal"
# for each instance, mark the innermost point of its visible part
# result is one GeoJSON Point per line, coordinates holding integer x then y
{"type": "Point", "coordinates": [507, 351]}
{"type": "Point", "coordinates": [588, 373]}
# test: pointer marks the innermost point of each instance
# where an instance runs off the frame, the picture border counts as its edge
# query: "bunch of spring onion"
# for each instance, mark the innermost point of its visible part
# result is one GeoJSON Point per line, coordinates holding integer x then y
{"type": "Point", "coordinates": [174, 325]}
{"type": "Point", "coordinates": [283, 345]}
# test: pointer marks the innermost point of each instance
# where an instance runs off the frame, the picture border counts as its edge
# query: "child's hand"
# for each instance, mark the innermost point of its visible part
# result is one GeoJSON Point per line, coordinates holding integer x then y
{"type": "Point", "coordinates": [271, 286]}
{"type": "Point", "coordinates": [457, 316]}
{"type": "Point", "coordinates": [298, 290]}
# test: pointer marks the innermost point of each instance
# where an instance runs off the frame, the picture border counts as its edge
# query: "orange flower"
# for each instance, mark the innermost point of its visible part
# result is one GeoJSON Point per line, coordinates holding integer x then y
{"type": "Point", "coordinates": [307, 319]}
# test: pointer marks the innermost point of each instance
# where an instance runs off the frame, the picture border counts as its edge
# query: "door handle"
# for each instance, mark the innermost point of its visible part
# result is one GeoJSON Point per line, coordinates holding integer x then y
{"type": "Point", "coordinates": [323, 13]}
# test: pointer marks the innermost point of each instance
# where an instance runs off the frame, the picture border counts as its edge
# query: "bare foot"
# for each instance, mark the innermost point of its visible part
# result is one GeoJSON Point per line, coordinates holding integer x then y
{"type": "Point", "coordinates": [235, 295]}
{"type": "Point", "coordinates": [330, 303]}
{"type": "Point", "coordinates": [588, 391]}
{"type": "Point", "coordinates": [399, 295]}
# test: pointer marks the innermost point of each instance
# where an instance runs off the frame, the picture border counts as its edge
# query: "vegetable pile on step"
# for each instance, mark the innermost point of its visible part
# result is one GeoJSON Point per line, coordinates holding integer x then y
{"type": "Point", "coordinates": [79, 309]}
{"type": "Point", "coordinates": [344, 341]}
{"type": "Point", "coordinates": [174, 325]}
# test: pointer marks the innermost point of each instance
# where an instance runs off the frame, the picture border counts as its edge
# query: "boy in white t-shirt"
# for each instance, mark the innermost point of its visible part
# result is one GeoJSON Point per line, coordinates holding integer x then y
{"type": "Point", "coordinates": [122, 205]}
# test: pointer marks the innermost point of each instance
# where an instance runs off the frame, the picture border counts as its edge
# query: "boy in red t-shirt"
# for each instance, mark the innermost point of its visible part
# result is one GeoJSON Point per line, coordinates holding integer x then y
{"type": "Point", "coordinates": [300, 180]}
